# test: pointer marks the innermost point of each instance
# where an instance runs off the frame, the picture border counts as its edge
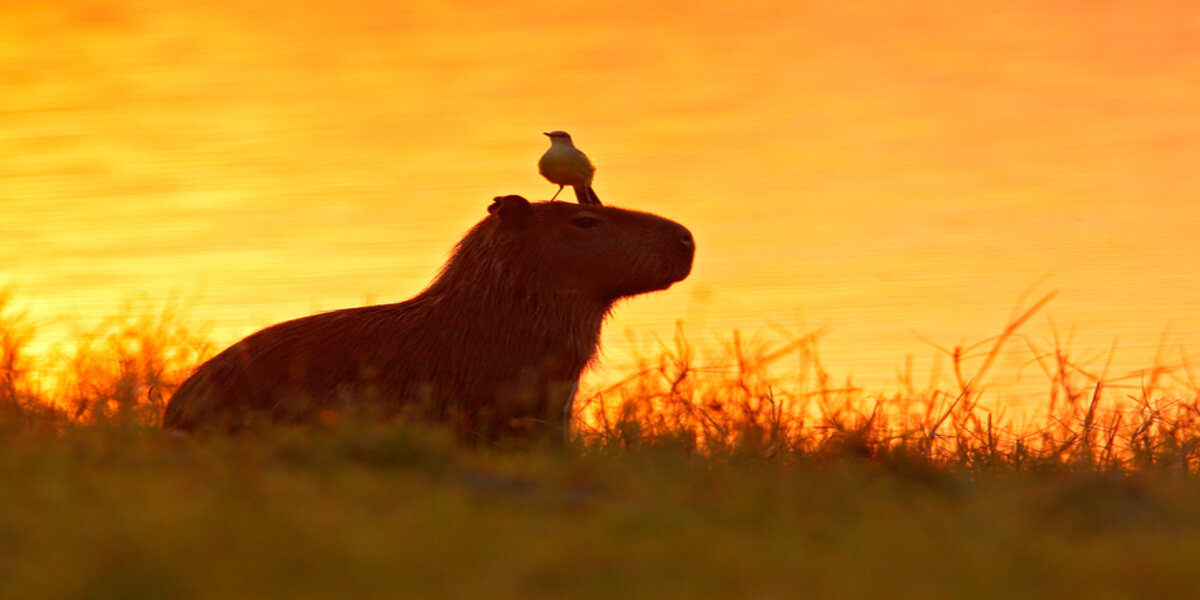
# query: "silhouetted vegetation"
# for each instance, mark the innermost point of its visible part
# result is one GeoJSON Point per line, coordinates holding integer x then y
{"type": "Point", "coordinates": [692, 477]}
{"type": "Point", "coordinates": [731, 404]}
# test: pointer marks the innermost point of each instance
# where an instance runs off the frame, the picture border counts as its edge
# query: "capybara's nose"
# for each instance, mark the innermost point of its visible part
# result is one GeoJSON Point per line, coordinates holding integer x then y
{"type": "Point", "coordinates": [686, 238]}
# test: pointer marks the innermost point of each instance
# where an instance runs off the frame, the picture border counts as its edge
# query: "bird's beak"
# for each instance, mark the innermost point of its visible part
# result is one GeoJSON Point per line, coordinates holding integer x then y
{"type": "Point", "coordinates": [545, 134]}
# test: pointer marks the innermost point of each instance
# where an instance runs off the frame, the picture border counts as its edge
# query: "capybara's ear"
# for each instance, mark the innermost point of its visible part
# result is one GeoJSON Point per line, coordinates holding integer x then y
{"type": "Point", "coordinates": [512, 210]}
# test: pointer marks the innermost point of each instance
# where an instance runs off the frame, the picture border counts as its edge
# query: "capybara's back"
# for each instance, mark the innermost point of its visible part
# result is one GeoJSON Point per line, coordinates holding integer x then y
{"type": "Point", "coordinates": [494, 346]}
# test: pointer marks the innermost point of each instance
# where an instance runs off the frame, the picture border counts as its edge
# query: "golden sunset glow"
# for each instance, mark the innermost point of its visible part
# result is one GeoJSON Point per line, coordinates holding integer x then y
{"type": "Point", "coordinates": [891, 172]}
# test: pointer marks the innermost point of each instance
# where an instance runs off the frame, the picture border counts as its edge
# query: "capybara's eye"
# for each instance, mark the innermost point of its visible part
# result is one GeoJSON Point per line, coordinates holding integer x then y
{"type": "Point", "coordinates": [585, 221]}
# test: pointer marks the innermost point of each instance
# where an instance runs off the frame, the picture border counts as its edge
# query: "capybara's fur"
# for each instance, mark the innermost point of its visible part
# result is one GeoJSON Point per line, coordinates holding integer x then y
{"type": "Point", "coordinates": [494, 346]}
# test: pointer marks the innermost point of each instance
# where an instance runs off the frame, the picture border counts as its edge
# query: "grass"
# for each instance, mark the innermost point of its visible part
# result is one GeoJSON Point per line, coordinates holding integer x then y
{"type": "Point", "coordinates": [684, 480]}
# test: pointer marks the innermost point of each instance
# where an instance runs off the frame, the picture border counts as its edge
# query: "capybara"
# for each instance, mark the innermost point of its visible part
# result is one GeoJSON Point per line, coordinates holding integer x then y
{"type": "Point", "coordinates": [494, 346]}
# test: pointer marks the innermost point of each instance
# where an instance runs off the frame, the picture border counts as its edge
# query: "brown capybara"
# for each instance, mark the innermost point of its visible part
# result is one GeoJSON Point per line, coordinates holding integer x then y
{"type": "Point", "coordinates": [494, 346]}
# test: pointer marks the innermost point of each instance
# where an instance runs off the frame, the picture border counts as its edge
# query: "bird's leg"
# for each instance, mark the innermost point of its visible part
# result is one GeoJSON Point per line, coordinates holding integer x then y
{"type": "Point", "coordinates": [560, 189]}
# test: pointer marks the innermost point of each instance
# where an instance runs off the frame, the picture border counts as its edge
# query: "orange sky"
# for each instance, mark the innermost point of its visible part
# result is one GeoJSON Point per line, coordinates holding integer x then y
{"type": "Point", "coordinates": [879, 169]}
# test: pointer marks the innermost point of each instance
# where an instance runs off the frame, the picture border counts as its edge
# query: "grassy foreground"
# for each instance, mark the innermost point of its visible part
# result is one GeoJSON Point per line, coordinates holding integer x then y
{"type": "Point", "coordinates": [396, 512]}
{"type": "Point", "coordinates": [682, 482]}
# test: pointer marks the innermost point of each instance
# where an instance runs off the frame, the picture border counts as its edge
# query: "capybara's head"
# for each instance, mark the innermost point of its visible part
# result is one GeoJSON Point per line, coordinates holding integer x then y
{"type": "Point", "coordinates": [591, 253]}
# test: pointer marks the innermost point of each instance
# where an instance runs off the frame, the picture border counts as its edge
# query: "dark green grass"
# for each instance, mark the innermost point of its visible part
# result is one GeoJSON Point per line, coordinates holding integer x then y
{"type": "Point", "coordinates": [683, 481]}
{"type": "Point", "coordinates": [110, 512]}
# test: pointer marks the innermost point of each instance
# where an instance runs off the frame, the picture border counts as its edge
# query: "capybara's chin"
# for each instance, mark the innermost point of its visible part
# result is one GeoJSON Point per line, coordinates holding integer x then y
{"type": "Point", "coordinates": [493, 347]}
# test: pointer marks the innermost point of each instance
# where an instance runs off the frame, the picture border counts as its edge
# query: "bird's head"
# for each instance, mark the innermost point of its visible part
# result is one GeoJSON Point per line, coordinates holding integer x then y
{"type": "Point", "coordinates": [559, 136]}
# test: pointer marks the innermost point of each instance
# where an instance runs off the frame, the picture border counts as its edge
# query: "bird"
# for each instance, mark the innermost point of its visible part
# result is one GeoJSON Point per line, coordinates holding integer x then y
{"type": "Point", "coordinates": [565, 165]}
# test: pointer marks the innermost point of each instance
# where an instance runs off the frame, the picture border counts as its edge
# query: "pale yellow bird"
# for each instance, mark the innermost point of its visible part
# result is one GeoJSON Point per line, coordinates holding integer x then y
{"type": "Point", "coordinates": [565, 165]}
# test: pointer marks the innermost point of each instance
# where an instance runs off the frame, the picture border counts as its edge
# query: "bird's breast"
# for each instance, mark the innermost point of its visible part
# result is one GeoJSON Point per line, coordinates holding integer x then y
{"type": "Point", "coordinates": [566, 166]}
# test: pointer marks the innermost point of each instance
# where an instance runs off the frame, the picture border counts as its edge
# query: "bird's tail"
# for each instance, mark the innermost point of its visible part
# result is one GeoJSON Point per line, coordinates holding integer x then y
{"type": "Point", "coordinates": [586, 195]}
